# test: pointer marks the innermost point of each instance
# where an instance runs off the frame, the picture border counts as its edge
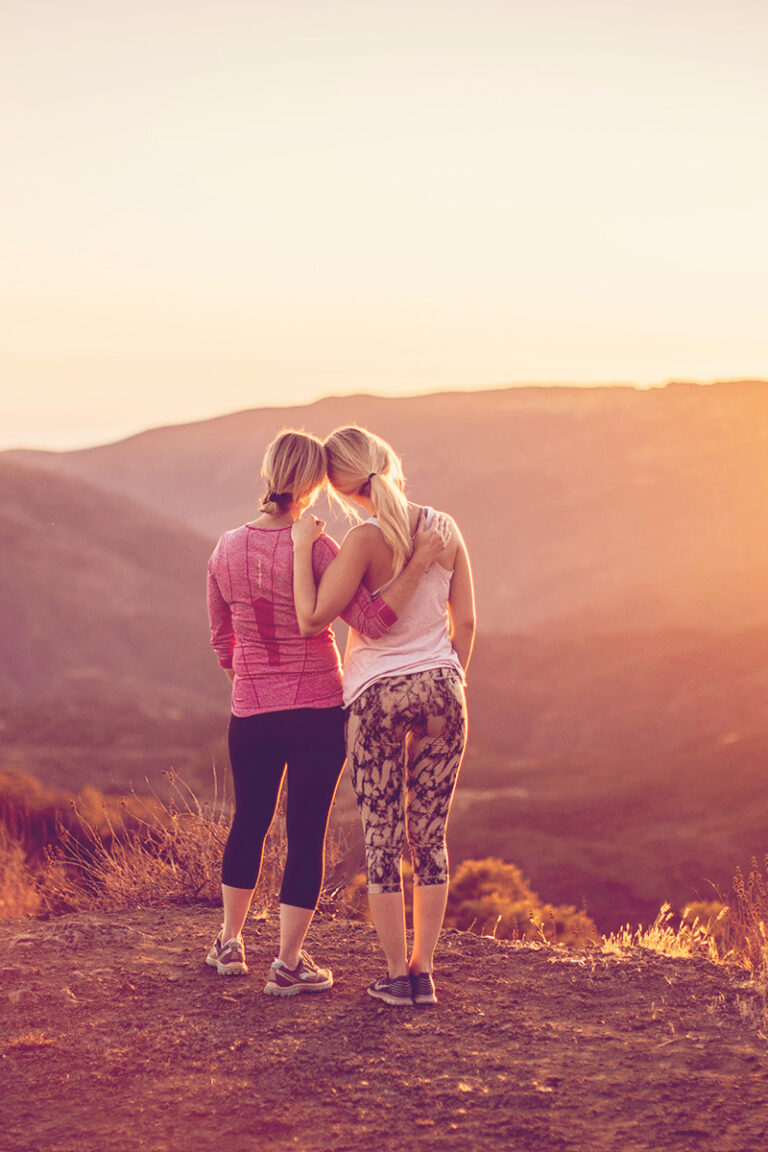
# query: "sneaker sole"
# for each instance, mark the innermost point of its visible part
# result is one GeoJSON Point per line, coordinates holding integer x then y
{"type": "Point", "coordinates": [425, 999]}
{"type": "Point", "coordinates": [398, 1001]}
{"type": "Point", "coordinates": [295, 989]}
{"type": "Point", "coordinates": [237, 969]}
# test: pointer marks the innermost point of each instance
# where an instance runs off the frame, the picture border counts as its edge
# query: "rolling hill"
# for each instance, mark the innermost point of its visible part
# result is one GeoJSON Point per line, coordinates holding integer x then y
{"type": "Point", "coordinates": [104, 657]}
{"type": "Point", "coordinates": [585, 509]}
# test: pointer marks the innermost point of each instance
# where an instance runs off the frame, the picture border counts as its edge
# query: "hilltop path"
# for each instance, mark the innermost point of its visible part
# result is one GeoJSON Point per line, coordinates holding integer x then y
{"type": "Point", "coordinates": [115, 1036]}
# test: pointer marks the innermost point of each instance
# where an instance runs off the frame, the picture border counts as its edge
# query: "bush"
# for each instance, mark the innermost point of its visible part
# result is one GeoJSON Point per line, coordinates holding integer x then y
{"type": "Point", "coordinates": [493, 898]}
{"type": "Point", "coordinates": [490, 897]}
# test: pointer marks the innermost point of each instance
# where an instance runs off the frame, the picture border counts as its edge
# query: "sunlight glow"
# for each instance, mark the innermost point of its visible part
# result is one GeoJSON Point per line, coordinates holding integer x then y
{"type": "Point", "coordinates": [215, 206]}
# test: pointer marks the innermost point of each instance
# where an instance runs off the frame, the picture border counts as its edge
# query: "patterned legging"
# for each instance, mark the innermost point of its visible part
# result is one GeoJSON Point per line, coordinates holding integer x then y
{"type": "Point", "coordinates": [405, 739]}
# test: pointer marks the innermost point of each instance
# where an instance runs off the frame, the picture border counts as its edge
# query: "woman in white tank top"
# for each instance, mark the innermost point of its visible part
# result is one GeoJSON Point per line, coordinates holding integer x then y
{"type": "Point", "coordinates": [404, 694]}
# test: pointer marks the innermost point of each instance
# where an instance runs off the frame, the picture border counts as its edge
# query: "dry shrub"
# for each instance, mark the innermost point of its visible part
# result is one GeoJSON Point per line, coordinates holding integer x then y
{"type": "Point", "coordinates": [171, 854]}
{"type": "Point", "coordinates": [490, 897]}
{"type": "Point", "coordinates": [748, 919]}
{"type": "Point", "coordinates": [19, 891]}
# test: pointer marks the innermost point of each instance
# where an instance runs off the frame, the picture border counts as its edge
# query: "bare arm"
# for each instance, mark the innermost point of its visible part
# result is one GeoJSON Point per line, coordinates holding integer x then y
{"type": "Point", "coordinates": [317, 606]}
{"type": "Point", "coordinates": [461, 605]}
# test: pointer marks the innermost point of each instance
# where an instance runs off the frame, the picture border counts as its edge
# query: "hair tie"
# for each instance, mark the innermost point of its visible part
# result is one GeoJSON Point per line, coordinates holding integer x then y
{"type": "Point", "coordinates": [371, 476]}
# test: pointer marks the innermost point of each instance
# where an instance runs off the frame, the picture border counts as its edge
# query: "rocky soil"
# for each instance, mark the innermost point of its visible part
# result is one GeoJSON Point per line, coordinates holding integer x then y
{"type": "Point", "coordinates": [115, 1036]}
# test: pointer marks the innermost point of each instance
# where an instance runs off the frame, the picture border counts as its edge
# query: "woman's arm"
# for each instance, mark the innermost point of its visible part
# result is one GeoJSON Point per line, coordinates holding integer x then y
{"type": "Point", "coordinates": [461, 605]}
{"type": "Point", "coordinates": [220, 619]}
{"type": "Point", "coordinates": [340, 583]}
{"type": "Point", "coordinates": [373, 615]}
{"type": "Point", "coordinates": [346, 571]}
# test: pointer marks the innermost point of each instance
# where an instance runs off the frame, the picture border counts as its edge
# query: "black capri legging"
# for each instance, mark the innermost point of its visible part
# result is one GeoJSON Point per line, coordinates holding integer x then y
{"type": "Point", "coordinates": [310, 742]}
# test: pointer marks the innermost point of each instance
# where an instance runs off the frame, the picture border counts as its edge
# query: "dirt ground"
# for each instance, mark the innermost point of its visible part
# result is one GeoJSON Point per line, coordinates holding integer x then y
{"type": "Point", "coordinates": [115, 1036]}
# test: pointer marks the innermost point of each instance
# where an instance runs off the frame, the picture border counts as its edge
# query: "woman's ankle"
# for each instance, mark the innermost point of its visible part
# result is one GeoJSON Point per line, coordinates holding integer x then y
{"type": "Point", "coordinates": [416, 967]}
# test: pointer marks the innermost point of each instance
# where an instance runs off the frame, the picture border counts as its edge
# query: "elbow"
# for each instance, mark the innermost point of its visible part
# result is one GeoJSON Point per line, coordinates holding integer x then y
{"type": "Point", "coordinates": [308, 630]}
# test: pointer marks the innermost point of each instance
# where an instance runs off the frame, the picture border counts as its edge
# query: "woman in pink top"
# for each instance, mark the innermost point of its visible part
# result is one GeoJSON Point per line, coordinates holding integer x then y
{"type": "Point", "coordinates": [286, 704]}
{"type": "Point", "coordinates": [404, 691]}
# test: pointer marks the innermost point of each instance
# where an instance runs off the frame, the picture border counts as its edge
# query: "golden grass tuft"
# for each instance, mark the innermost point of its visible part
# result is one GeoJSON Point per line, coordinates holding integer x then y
{"type": "Point", "coordinates": [19, 889]}
{"type": "Point", "coordinates": [692, 936]}
{"type": "Point", "coordinates": [733, 931]}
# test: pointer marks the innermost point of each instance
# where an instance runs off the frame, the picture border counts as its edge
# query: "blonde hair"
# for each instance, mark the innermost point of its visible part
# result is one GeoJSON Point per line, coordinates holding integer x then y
{"type": "Point", "coordinates": [359, 462]}
{"type": "Point", "coordinates": [293, 469]}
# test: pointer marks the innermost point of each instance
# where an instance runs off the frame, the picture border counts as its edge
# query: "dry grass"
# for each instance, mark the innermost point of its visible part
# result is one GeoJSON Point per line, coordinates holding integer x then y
{"type": "Point", "coordinates": [731, 931]}
{"type": "Point", "coordinates": [19, 889]}
{"type": "Point", "coordinates": [748, 926]}
{"type": "Point", "coordinates": [148, 851]}
{"type": "Point", "coordinates": [169, 854]}
{"type": "Point", "coordinates": [689, 937]}
{"type": "Point", "coordinates": [59, 855]}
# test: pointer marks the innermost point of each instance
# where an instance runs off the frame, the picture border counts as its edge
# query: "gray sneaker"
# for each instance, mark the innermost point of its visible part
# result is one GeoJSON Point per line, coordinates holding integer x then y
{"type": "Point", "coordinates": [423, 988]}
{"type": "Point", "coordinates": [305, 977]}
{"type": "Point", "coordinates": [392, 990]}
{"type": "Point", "coordinates": [228, 957]}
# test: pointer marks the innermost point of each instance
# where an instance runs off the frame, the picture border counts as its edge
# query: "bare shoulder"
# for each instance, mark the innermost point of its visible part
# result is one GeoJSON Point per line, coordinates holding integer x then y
{"type": "Point", "coordinates": [362, 537]}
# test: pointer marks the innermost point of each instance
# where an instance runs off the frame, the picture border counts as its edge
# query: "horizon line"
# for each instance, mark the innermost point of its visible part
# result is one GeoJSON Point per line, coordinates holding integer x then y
{"type": "Point", "coordinates": [77, 445]}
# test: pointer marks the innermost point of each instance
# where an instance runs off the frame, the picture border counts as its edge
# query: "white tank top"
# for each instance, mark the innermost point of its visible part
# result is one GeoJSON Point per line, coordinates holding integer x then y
{"type": "Point", "coordinates": [417, 641]}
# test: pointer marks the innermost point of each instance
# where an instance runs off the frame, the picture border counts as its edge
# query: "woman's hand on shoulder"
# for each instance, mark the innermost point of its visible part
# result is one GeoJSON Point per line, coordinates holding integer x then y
{"type": "Point", "coordinates": [307, 529]}
{"type": "Point", "coordinates": [430, 543]}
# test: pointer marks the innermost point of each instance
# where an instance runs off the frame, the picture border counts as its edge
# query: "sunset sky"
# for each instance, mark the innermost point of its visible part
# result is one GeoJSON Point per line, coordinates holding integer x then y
{"type": "Point", "coordinates": [220, 204]}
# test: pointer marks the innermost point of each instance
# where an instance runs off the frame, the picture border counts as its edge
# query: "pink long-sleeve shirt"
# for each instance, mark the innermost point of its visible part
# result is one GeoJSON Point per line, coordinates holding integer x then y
{"type": "Point", "coordinates": [254, 629]}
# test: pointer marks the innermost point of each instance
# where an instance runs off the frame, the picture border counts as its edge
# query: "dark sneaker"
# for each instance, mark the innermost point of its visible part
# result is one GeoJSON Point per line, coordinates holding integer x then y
{"type": "Point", "coordinates": [228, 958]}
{"type": "Point", "coordinates": [305, 977]}
{"type": "Point", "coordinates": [423, 988]}
{"type": "Point", "coordinates": [391, 990]}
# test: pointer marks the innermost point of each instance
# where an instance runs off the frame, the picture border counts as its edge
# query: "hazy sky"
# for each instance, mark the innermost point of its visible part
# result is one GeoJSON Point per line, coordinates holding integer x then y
{"type": "Point", "coordinates": [219, 204]}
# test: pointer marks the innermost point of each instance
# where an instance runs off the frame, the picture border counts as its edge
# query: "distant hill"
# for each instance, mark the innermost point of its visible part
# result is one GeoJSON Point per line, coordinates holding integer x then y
{"type": "Point", "coordinates": [104, 650]}
{"type": "Point", "coordinates": [585, 509]}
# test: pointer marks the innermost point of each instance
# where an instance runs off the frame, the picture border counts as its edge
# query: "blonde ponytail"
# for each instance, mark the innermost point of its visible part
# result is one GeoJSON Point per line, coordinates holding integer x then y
{"type": "Point", "coordinates": [293, 469]}
{"type": "Point", "coordinates": [361, 463]}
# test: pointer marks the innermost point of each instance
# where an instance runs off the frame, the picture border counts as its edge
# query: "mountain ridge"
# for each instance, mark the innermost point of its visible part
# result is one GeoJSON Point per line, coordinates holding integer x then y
{"type": "Point", "coordinates": [582, 508]}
